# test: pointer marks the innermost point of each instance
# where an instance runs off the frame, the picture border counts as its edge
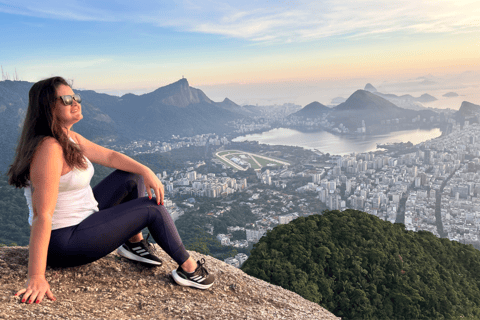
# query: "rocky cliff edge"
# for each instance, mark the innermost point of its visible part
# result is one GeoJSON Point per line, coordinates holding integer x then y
{"type": "Point", "coordinates": [115, 288]}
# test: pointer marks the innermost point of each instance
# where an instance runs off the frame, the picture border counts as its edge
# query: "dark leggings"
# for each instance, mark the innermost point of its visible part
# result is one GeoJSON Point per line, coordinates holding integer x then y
{"type": "Point", "coordinates": [124, 212]}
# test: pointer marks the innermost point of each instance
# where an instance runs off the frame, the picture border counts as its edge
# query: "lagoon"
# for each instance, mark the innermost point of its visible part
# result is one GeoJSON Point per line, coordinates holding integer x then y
{"type": "Point", "coordinates": [327, 142]}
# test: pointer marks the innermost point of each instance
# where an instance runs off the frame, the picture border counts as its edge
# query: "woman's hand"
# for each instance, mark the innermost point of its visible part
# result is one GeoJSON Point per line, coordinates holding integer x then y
{"type": "Point", "coordinates": [36, 288]}
{"type": "Point", "coordinates": [152, 182]}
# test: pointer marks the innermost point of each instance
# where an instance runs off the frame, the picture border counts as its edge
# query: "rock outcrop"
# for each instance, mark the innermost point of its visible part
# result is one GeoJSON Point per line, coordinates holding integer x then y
{"type": "Point", "coordinates": [115, 288]}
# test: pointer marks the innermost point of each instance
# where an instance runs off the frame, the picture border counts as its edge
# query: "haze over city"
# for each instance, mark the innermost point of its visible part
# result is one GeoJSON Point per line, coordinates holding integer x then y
{"type": "Point", "coordinates": [268, 52]}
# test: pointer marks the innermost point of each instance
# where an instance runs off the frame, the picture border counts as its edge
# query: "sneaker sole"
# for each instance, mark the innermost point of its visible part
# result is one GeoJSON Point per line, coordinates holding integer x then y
{"type": "Point", "coordinates": [127, 254]}
{"type": "Point", "coordinates": [186, 283]}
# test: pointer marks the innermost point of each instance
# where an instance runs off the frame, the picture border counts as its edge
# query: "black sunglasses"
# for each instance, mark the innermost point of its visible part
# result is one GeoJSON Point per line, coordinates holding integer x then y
{"type": "Point", "coordinates": [68, 100]}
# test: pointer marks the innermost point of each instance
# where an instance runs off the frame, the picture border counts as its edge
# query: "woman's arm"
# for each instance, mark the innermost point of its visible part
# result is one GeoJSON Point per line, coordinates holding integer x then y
{"type": "Point", "coordinates": [45, 172]}
{"type": "Point", "coordinates": [113, 159]}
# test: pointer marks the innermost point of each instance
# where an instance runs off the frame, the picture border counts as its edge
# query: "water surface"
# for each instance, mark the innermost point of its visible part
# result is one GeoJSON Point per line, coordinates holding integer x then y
{"type": "Point", "coordinates": [337, 144]}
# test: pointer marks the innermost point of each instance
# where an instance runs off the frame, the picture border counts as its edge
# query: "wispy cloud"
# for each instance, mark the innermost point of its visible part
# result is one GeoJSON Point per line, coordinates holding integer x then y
{"type": "Point", "coordinates": [272, 21]}
{"type": "Point", "coordinates": [56, 10]}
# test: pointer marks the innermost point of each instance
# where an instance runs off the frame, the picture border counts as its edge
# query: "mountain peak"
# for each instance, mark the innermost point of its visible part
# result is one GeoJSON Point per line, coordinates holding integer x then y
{"type": "Point", "coordinates": [226, 100]}
{"type": "Point", "coordinates": [426, 98]}
{"type": "Point", "coordinates": [363, 100]}
{"type": "Point", "coordinates": [370, 88]}
{"type": "Point", "coordinates": [179, 94]}
{"type": "Point", "coordinates": [315, 105]}
{"type": "Point", "coordinates": [469, 109]}
{"type": "Point", "coordinates": [87, 292]}
{"type": "Point", "coordinates": [182, 81]}
{"type": "Point", "coordinates": [312, 110]}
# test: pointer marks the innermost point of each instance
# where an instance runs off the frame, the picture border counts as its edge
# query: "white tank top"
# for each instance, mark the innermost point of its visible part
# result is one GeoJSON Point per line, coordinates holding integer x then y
{"type": "Point", "coordinates": [75, 199]}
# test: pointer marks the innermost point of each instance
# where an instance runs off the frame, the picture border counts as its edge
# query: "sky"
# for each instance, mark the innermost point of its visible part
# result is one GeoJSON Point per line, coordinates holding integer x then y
{"type": "Point", "coordinates": [265, 52]}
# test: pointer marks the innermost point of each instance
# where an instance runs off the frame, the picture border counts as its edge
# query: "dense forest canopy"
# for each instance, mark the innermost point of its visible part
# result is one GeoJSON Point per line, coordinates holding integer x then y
{"type": "Point", "coordinates": [360, 267]}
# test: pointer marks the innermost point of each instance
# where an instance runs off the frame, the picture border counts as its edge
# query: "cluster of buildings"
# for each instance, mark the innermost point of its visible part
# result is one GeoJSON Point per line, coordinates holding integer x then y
{"type": "Point", "coordinates": [237, 261]}
{"type": "Point", "coordinates": [451, 161]}
{"type": "Point", "coordinates": [196, 184]}
{"type": "Point", "coordinates": [225, 241]}
{"type": "Point", "coordinates": [414, 186]}
{"type": "Point", "coordinates": [176, 142]}
{"type": "Point", "coordinates": [379, 182]}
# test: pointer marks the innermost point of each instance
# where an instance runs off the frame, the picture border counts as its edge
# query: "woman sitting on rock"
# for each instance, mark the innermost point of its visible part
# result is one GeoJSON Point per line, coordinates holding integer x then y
{"type": "Point", "coordinates": [71, 224]}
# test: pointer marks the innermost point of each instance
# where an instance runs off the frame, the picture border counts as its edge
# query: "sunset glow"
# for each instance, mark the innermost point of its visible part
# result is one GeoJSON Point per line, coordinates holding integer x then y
{"type": "Point", "coordinates": [131, 47]}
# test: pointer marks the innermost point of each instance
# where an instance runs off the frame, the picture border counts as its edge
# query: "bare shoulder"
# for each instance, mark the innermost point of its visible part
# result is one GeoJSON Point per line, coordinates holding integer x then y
{"type": "Point", "coordinates": [48, 151]}
{"type": "Point", "coordinates": [49, 145]}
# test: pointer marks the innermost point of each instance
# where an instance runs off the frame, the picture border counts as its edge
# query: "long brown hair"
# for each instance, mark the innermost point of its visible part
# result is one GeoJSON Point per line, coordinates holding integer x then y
{"type": "Point", "coordinates": [40, 123]}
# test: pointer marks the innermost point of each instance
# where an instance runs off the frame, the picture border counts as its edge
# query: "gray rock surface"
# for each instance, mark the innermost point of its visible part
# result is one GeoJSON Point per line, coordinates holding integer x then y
{"type": "Point", "coordinates": [115, 288]}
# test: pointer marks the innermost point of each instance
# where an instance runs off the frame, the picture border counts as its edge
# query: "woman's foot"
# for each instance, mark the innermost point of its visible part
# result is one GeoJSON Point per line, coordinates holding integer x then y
{"type": "Point", "coordinates": [199, 278]}
{"type": "Point", "coordinates": [139, 251]}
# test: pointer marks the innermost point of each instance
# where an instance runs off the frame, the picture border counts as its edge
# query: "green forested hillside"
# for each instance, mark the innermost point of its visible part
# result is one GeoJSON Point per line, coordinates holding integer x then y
{"type": "Point", "coordinates": [14, 228]}
{"type": "Point", "coordinates": [360, 267]}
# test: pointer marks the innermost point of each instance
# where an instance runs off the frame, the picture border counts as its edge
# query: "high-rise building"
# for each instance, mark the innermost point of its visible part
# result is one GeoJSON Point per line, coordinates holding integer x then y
{"type": "Point", "coordinates": [348, 186]}
{"type": "Point", "coordinates": [427, 156]}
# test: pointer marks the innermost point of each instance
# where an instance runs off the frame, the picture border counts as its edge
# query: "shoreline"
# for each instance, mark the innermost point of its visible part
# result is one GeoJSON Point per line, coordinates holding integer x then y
{"type": "Point", "coordinates": [346, 136]}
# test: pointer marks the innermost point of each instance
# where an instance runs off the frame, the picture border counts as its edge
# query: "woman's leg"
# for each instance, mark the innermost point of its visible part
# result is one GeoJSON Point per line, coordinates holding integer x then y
{"type": "Point", "coordinates": [119, 187]}
{"type": "Point", "coordinates": [104, 231]}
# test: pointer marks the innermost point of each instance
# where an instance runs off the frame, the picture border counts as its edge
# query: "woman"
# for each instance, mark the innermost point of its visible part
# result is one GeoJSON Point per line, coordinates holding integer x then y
{"type": "Point", "coordinates": [72, 225]}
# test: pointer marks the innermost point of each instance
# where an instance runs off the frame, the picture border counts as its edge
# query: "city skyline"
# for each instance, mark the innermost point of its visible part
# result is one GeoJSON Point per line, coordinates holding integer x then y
{"type": "Point", "coordinates": [251, 52]}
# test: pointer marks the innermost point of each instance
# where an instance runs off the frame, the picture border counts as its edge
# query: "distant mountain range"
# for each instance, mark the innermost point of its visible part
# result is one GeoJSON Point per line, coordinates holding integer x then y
{"type": "Point", "coordinates": [367, 106]}
{"type": "Point", "coordinates": [338, 100]}
{"type": "Point", "coordinates": [176, 109]}
{"type": "Point", "coordinates": [361, 105]}
{"type": "Point", "coordinates": [405, 101]}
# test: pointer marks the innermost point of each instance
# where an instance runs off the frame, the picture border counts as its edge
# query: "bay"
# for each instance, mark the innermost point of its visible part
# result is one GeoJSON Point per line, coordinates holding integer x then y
{"type": "Point", "coordinates": [327, 142]}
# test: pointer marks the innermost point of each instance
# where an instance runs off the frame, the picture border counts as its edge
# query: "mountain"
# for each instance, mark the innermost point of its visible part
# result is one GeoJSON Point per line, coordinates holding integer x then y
{"type": "Point", "coordinates": [358, 266]}
{"type": "Point", "coordinates": [364, 105]}
{"type": "Point", "coordinates": [178, 94]}
{"type": "Point", "coordinates": [468, 111]}
{"type": "Point", "coordinates": [407, 97]}
{"type": "Point", "coordinates": [229, 105]}
{"type": "Point", "coordinates": [426, 98]}
{"type": "Point", "coordinates": [312, 110]}
{"type": "Point", "coordinates": [450, 94]}
{"type": "Point", "coordinates": [114, 288]}
{"type": "Point", "coordinates": [366, 101]}
{"type": "Point", "coordinates": [370, 107]}
{"type": "Point", "coordinates": [175, 109]}
{"type": "Point", "coordinates": [370, 88]}
{"type": "Point", "coordinates": [338, 100]}
{"type": "Point", "coordinates": [407, 101]}
{"type": "Point", "coordinates": [13, 106]}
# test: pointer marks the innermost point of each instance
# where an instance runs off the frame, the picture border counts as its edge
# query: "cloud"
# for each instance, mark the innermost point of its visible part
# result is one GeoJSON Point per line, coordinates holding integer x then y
{"type": "Point", "coordinates": [272, 21]}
